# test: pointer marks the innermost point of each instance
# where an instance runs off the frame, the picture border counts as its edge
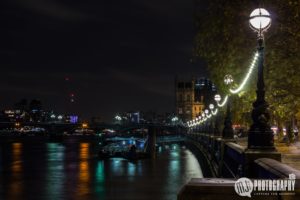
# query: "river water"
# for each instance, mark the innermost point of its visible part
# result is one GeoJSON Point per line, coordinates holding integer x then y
{"type": "Point", "coordinates": [55, 171]}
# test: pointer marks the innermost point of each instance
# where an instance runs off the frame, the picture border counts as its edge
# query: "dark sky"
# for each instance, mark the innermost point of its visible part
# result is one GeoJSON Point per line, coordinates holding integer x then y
{"type": "Point", "coordinates": [120, 55]}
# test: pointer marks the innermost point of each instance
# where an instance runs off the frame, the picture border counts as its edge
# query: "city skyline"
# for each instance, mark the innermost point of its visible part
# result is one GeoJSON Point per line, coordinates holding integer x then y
{"type": "Point", "coordinates": [117, 56]}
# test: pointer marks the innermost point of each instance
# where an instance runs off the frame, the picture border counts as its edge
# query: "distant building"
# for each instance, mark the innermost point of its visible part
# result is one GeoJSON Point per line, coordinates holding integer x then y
{"type": "Point", "coordinates": [193, 96]}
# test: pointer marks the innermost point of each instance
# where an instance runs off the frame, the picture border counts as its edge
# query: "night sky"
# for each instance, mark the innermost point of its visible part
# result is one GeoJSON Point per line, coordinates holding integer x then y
{"type": "Point", "coordinates": [118, 55]}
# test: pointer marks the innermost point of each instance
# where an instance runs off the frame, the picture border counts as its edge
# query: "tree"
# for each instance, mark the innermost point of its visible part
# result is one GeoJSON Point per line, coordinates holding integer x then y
{"type": "Point", "coordinates": [225, 41]}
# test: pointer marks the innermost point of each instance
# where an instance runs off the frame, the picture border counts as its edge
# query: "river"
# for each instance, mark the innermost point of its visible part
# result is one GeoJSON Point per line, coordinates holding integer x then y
{"type": "Point", "coordinates": [55, 171]}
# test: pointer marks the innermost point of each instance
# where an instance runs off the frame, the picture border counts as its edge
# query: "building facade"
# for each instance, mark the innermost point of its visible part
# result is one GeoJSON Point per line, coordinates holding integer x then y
{"type": "Point", "coordinates": [193, 97]}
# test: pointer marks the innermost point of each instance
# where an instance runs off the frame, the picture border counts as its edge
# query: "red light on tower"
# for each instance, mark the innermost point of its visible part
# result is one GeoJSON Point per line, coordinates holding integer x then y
{"type": "Point", "coordinates": [72, 95]}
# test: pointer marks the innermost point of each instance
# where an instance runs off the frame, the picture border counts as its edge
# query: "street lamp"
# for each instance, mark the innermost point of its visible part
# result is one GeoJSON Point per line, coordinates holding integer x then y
{"type": "Point", "coordinates": [228, 80]}
{"type": "Point", "coordinates": [260, 20]}
{"type": "Point", "coordinates": [217, 98]}
{"type": "Point", "coordinates": [260, 134]}
{"type": "Point", "coordinates": [228, 131]}
{"type": "Point", "coordinates": [84, 125]}
{"type": "Point", "coordinates": [211, 128]}
{"type": "Point", "coordinates": [206, 111]}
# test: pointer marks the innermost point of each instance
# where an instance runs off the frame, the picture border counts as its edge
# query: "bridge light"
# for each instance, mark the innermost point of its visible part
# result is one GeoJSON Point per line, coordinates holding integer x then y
{"type": "Point", "coordinates": [117, 117]}
{"type": "Point", "coordinates": [84, 125]}
{"type": "Point", "coordinates": [174, 119]}
{"type": "Point", "coordinates": [17, 124]}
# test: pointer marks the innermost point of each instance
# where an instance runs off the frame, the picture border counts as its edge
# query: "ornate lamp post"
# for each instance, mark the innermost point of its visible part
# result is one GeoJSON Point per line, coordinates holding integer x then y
{"type": "Point", "coordinates": [206, 111]}
{"type": "Point", "coordinates": [228, 131]}
{"type": "Point", "coordinates": [211, 127]}
{"type": "Point", "coordinates": [217, 124]}
{"type": "Point", "coordinates": [260, 134]}
{"type": "Point", "coordinates": [203, 125]}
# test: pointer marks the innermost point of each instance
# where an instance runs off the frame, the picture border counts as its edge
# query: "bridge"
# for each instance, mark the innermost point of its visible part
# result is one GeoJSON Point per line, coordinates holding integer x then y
{"type": "Point", "coordinates": [59, 128]}
{"type": "Point", "coordinates": [225, 160]}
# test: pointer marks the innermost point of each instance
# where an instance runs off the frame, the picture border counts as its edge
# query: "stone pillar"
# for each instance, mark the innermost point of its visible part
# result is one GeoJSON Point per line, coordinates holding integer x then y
{"type": "Point", "coordinates": [152, 141]}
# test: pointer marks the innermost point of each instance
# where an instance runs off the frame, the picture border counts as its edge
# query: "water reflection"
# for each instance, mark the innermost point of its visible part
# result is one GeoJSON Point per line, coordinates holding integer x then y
{"type": "Point", "coordinates": [100, 180]}
{"type": "Point", "coordinates": [16, 187]}
{"type": "Point", "coordinates": [55, 171]}
{"type": "Point", "coordinates": [192, 164]}
{"type": "Point", "coordinates": [72, 171]}
{"type": "Point", "coordinates": [174, 163]}
{"type": "Point", "coordinates": [83, 187]}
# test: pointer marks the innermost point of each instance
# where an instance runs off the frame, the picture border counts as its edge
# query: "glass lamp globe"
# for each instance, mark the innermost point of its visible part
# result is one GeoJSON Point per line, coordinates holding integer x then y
{"type": "Point", "coordinates": [260, 19]}
{"type": "Point", "coordinates": [211, 106]}
{"type": "Point", "coordinates": [217, 97]}
{"type": "Point", "coordinates": [228, 79]}
{"type": "Point", "coordinates": [206, 111]}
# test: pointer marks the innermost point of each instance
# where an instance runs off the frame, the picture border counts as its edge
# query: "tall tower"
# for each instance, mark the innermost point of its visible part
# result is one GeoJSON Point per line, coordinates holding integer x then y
{"type": "Point", "coordinates": [186, 106]}
{"type": "Point", "coordinates": [192, 97]}
{"type": "Point", "coordinates": [69, 96]}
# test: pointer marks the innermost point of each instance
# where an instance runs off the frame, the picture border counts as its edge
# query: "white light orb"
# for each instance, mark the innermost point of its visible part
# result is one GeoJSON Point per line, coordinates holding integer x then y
{"type": "Point", "coordinates": [217, 97]}
{"type": "Point", "coordinates": [211, 106]}
{"type": "Point", "coordinates": [260, 19]}
{"type": "Point", "coordinates": [228, 79]}
{"type": "Point", "coordinates": [203, 115]}
{"type": "Point", "coordinates": [206, 111]}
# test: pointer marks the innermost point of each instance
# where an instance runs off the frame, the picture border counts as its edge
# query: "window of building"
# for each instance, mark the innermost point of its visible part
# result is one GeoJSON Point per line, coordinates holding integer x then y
{"type": "Point", "coordinates": [180, 110]}
{"type": "Point", "coordinates": [188, 85]}
{"type": "Point", "coordinates": [180, 97]}
{"type": "Point", "coordinates": [180, 85]}
{"type": "Point", "coordinates": [188, 97]}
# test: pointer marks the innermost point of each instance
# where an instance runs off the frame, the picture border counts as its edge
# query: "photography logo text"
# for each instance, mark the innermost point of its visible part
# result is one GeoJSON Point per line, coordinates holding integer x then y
{"type": "Point", "coordinates": [259, 187]}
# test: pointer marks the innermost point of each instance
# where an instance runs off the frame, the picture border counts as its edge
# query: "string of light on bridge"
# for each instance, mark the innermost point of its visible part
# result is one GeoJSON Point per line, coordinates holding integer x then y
{"type": "Point", "coordinates": [203, 118]}
{"type": "Point", "coordinates": [251, 67]}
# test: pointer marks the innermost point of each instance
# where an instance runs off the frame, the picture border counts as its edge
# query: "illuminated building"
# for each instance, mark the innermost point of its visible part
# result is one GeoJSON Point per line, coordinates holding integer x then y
{"type": "Point", "coordinates": [193, 96]}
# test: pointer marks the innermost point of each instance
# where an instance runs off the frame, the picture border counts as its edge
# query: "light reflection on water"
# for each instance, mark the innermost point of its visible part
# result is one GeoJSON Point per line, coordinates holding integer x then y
{"type": "Point", "coordinates": [55, 171]}
{"type": "Point", "coordinates": [72, 171]}
{"type": "Point", "coordinates": [83, 187]}
{"type": "Point", "coordinates": [16, 186]}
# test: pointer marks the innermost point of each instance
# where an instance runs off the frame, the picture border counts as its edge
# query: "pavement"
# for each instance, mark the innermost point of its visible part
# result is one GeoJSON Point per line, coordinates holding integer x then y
{"type": "Point", "coordinates": [290, 153]}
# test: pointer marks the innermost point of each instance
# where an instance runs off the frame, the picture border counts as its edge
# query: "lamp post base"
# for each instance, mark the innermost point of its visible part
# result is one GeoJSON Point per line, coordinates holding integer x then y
{"type": "Point", "coordinates": [261, 140]}
{"type": "Point", "coordinates": [228, 133]}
